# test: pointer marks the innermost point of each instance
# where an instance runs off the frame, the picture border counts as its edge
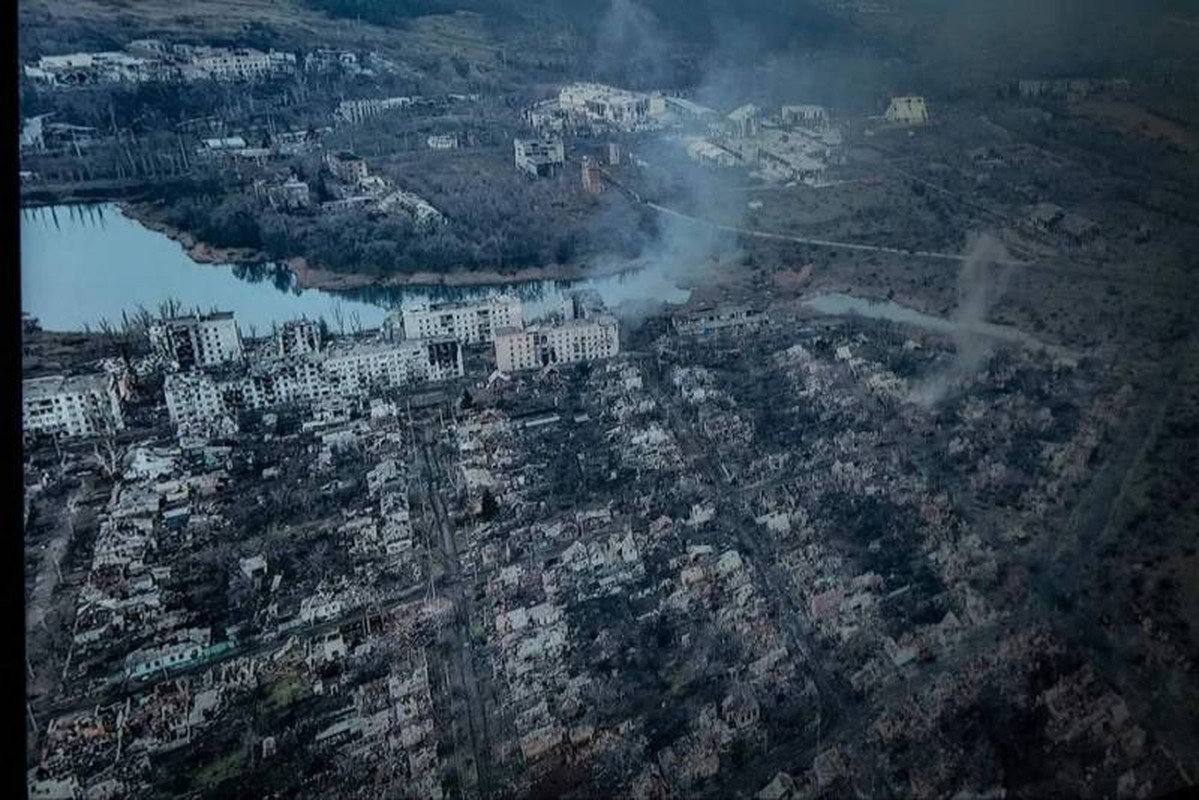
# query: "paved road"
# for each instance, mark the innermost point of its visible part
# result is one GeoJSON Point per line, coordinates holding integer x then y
{"type": "Point", "coordinates": [49, 572]}
{"type": "Point", "coordinates": [464, 675]}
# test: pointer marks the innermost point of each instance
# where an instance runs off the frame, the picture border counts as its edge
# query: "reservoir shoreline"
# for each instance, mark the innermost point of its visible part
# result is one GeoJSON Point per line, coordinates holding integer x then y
{"type": "Point", "coordinates": [313, 276]}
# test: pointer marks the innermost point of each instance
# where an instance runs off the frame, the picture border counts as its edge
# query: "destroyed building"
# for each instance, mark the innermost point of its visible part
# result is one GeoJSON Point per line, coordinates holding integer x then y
{"type": "Point", "coordinates": [539, 158]}
{"type": "Point", "coordinates": [200, 401]}
{"type": "Point", "coordinates": [469, 323]}
{"type": "Point", "coordinates": [298, 337]}
{"type": "Point", "coordinates": [568, 342]}
{"type": "Point", "coordinates": [81, 405]}
{"type": "Point", "coordinates": [197, 341]}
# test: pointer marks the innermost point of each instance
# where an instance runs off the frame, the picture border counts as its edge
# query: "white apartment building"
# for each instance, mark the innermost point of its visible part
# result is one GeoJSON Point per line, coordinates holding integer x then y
{"type": "Point", "coordinates": [469, 323]}
{"type": "Point", "coordinates": [198, 341]}
{"type": "Point", "coordinates": [199, 401]}
{"type": "Point", "coordinates": [84, 405]}
{"type": "Point", "coordinates": [566, 343]}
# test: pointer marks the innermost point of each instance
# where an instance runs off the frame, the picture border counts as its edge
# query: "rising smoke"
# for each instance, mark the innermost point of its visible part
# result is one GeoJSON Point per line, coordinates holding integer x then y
{"type": "Point", "coordinates": [981, 282]}
{"type": "Point", "coordinates": [672, 253]}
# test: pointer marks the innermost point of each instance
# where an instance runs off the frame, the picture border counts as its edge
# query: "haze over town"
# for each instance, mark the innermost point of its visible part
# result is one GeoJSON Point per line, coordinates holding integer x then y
{"type": "Point", "coordinates": [636, 398]}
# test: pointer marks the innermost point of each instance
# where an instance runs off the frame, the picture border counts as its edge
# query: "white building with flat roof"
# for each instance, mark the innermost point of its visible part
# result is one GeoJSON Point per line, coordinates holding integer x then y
{"type": "Point", "coordinates": [82, 405]}
{"type": "Point", "coordinates": [569, 342]}
{"type": "Point", "coordinates": [908, 110]}
{"type": "Point", "coordinates": [198, 341]}
{"type": "Point", "coordinates": [469, 323]}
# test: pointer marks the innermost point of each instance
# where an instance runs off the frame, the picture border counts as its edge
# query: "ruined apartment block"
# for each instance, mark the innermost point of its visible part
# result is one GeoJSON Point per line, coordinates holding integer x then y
{"type": "Point", "coordinates": [82, 405]}
{"type": "Point", "coordinates": [469, 323]}
{"type": "Point", "coordinates": [199, 402]}
{"type": "Point", "coordinates": [568, 342]}
{"type": "Point", "coordinates": [198, 341]}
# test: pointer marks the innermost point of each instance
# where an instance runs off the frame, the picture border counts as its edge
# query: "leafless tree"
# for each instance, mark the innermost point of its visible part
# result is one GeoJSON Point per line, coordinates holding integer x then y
{"type": "Point", "coordinates": [339, 318]}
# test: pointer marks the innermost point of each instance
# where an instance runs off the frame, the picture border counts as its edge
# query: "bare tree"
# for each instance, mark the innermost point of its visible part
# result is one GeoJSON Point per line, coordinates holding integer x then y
{"type": "Point", "coordinates": [339, 317]}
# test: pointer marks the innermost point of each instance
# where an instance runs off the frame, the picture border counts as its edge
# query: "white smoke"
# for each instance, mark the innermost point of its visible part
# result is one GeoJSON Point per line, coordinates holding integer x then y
{"type": "Point", "coordinates": [981, 282]}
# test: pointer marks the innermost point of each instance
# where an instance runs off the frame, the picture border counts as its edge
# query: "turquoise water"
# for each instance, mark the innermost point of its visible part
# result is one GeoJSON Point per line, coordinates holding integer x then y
{"type": "Point", "coordinates": [81, 264]}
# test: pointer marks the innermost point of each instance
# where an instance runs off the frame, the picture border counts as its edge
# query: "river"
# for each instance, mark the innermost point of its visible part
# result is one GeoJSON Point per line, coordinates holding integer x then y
{"type": "Point", "coordinates": [84, 264]}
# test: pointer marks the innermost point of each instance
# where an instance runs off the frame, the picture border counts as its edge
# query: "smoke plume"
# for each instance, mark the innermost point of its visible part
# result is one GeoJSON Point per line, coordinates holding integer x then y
{"type": "Point", "coordinates": [981, 283]}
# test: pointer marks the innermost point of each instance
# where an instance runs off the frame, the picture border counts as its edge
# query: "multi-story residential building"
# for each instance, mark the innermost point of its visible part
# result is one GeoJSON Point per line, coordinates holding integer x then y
{"type": "Point", "coordinates": [200, 401]}
{"type": "Point", "coordinates": [198, 341]}
{"type": "Point", "coordinates": [469, 323]}
{"type": "Point", "coordinates": [571, 341]}
{"type": "Point", "coordinates": [299, 337]}
{"type": "Point", "coordinates": [83, 405]}
{"type": "Point", "coordinates": [539, 157]}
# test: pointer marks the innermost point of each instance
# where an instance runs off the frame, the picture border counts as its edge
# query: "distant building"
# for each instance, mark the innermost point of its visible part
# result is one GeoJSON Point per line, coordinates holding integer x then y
{"type": "Point", "coordinates": [298, 337]}
{"type": "Point", "coordinates": [744, 122]}
{"type": "Point", "coordinates": [469, 323]}
{"type": "Point", "coordinates": [291, 194]}
{"type": "Point", "coordinates": [222, 144]}
{"type": "Point", "coordinates": [347, 167]}
{"type": "Point", "coordinates": [88, 69]}
{"type": "Point", "coordinates": [688, 109]}
{"type": "Point", "coordinates": [446, 142]}
{"type": "Point", "coordinates": [83, 405]}
{"type": "Point", "coordinates": [199, 341]}
{"type": "Point", "coordinates": [33, 133]}
{"type": "Point", "coordinates": [323, 60]}
{"type": "Point", "coordinates": [907, 110]}
{"type": "Point", "coordinates": [711, 154]}
{"type": "Point", "coordinates": [570, 342]}
{"type": "Point", "coordinates": [608, 105]}
{"type": "Point", "coordinates": [242, 64]}
{"type": "Point", "coordinates": [355, 111]}
{"type": "Point", "coordinates": [808, 116]}
{"type": "Point", "coordinates": [146, 60]}
{"type": "Point", "coordinates": [1071, 88]}
{"type": "Point", "coordinates": [707, 320]}
{"type": "Point", "coordinates": [539, 157]}
{"type": "Point", "coordinates": [593, 178]}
